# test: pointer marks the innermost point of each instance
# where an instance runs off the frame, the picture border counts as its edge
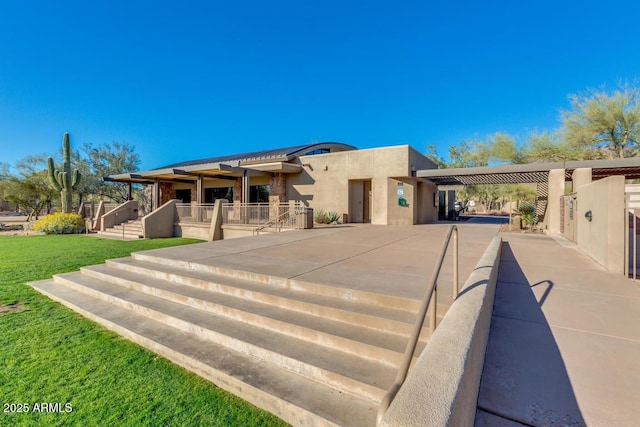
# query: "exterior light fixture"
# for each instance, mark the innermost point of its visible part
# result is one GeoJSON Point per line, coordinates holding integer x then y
{"type": "Point", "coordinates": [588, 215]}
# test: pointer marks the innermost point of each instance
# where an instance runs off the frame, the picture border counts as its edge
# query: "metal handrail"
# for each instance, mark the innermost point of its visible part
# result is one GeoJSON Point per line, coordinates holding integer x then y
{"type": "Point", "coordinates": [428, 303]}
{"type": "Point", "coordinates": [297, 209]}
{"type": "Point", "coordinates": [272, 221]}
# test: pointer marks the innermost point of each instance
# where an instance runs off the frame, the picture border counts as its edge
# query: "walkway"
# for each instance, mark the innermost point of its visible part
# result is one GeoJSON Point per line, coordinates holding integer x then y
{"type": "Point", "coordinates": [564, 345]}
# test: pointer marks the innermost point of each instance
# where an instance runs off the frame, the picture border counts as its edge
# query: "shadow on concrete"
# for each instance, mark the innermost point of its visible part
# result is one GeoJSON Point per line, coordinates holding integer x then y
{"type": "Point", "coordinates": [524, 379]}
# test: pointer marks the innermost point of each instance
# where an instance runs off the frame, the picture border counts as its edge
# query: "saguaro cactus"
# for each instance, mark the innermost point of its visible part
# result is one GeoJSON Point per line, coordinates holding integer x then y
{"type": "Point", "coordinates": [62, 180]}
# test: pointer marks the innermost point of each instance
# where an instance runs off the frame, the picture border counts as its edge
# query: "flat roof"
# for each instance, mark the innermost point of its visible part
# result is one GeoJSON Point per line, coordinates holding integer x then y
{"type": "Point", "coordinates": [530, 172]}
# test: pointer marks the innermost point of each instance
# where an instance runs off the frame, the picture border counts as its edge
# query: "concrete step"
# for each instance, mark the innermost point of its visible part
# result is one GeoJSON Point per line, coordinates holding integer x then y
{"type": "Point", "coordinates": [377, 299]}
{"type": "Point", "coordinates": [374, 317]}
{"type": "Point", "coordinates": [132, 230]}
{"type": "Point", "coordinates": [127, 227]}
{"type": "Point", "coordinates": [111, 233]}
{"type": "Point", "coordinates": [292, 397]}
{"type": "Point", "coordinates": [346, 373]}
{"type": "Point", "coordinates": [349, 338]}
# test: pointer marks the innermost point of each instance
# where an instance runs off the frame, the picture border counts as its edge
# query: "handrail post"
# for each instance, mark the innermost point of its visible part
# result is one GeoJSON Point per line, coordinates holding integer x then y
{"type": "Point", "coordinates": [455, 263]}
{"type": "Point", "coordinates": [433, 309]}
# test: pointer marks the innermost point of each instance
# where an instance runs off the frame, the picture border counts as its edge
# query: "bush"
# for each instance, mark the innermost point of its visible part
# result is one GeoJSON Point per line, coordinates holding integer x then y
{"type": "Point", "coordinates": [320, 216]}
{"type": "Point", "coordinates": [527, 212]}
{"type": "Point", "coordinates": [60, 223]}
{"type": "Point", "coordinates": [332, 217]}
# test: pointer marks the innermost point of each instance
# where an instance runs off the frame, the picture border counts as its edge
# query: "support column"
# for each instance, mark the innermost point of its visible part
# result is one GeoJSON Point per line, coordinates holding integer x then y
{"type": "Point", "coordinates": [451, 205]}
{"type": "Point", "coordinates": [200, 190]}
{"type": "Point", "coordinates": [442, 205]}
{"type": "Point", "coordinates": [580, 177]}
{"type": "Point", "coordinates": [129, 192]}
{"type": "Point", "coordinates": [277, 194]}
{"type": "Point", "coordinates": [155, 199]}
{"type": "Point", "coordinates": [199, 213]}
{"type": "Point", "coordinates": [556, 191]}
{"type": "Point", "coordinates": [245, 187]}
{"type": "Point", "coordinates": [237, 190]}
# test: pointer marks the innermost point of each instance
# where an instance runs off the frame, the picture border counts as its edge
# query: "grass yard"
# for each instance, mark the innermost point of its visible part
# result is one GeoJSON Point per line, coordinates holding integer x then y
{"type": "Point", "coordinates": [49, 354]}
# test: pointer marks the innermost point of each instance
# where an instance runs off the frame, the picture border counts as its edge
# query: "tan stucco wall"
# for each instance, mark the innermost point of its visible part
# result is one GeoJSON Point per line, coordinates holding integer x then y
{"type": "Point", "coordinates": [396, 214]}
{"type": "Point", "coordinates": [580, 177]}
{"type": "Point", "coordinates": [327, 180]}
{"type": "Point", "coordinates": [556, 190]}
{"type": "Point", "coordinates": [603, 237]}
{"type": "Point", "coordinates": [159, 223]}
{"type": "Point", "coordinates": [192, 231]}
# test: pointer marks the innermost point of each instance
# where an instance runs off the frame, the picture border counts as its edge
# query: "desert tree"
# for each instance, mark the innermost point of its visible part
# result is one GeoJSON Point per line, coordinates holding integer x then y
{"type": "Point", "coordinates": [604, 123]}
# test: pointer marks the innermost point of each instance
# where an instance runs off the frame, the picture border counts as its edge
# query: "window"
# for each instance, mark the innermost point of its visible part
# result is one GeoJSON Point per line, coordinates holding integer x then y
{"type": "Point", "coordinates": [259, 193]}
{"type": "Point", "coordinates": [318, 151]}
{"type": "Point", "coordinates": [212, 194]}
{"type": "Point", "coordinates": [184, 195]}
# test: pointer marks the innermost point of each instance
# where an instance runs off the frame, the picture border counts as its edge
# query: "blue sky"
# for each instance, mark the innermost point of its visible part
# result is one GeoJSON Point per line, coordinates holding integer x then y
{"type": "Point", "coordinates": [191, 79]}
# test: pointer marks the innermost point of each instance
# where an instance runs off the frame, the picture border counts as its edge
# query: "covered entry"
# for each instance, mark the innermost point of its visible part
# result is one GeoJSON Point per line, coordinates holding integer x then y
{"type": "Point", "coordinates": [360, 200]}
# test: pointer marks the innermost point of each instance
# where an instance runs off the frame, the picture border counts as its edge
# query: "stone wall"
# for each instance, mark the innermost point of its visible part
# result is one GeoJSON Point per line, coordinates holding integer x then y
{"type": "Point", "coordinates": [278, 187]}
{"type": "Point", "coordinates": [194, 193]}
{"type": "Point", "coordinates": [166, 192]}
{"type": "Point", "coordinates": [237, 190]}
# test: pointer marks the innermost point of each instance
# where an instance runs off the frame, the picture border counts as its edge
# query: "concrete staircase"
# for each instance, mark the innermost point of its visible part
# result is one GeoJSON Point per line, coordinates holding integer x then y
{"type": "Point", "coordinates": [312, 354]}
{"type": "Point", "coordinates": [132, 230]}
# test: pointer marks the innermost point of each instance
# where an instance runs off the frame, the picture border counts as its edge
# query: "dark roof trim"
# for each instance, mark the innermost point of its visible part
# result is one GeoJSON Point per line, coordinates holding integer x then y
{"type": "Point", "coordinates": [285, 154]}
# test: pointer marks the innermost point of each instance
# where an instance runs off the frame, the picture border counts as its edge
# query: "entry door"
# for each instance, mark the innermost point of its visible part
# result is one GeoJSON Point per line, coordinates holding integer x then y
{"type": "Point", "coordinates": [366, 202]}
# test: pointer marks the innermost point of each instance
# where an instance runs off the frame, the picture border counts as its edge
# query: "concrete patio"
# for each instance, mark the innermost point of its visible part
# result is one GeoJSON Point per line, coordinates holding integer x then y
{"type": "Point", "coordinates": [564, 342]}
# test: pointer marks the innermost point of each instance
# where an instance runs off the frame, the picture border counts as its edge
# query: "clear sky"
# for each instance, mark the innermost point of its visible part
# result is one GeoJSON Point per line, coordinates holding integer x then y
{"type": "Point", "coordinates": [193, 79]}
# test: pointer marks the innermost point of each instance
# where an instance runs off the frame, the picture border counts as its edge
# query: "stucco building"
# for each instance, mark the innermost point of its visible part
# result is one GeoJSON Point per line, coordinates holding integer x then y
{"type": "Point", "coordinates": [377, 185]}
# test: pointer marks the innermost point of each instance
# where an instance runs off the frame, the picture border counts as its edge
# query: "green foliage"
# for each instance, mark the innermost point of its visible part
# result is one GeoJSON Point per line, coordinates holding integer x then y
{"type": "Point", "coordinates": [431, 152]}
{"type": "Point", "coordinates": [604, 123]}
{"type": "Point", "coordinates": [527, 212]}
{"type": "Point", "coordinates": [50, 354]}
{"type": "Point", "coordinates": [109, 159]}
{"type": "Point", "coordinates": [29, 191]}
{"type": "Point", "coordinates": [60, 223]}
{"type": "Point", "coordinates": [63, 181]}
{"type": "Point", "coordinates": [549, 147]}
{"type": "Point", "coordinates": [332, 217]}
{"type": "Point", "coordinates": [320, 216]}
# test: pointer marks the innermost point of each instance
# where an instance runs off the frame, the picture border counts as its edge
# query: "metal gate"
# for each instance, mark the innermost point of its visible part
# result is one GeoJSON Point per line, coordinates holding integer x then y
{"type": "Point", "coordinates": [568, 208]}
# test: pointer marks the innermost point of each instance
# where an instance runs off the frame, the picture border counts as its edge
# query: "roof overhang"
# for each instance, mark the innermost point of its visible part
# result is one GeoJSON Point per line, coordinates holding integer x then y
{"type": "Point", "coordinates": [530, 172]}
{"type": "Point", "coordinates": [277, 167]}
{"type": "Point", "coordinates": [191, 173]}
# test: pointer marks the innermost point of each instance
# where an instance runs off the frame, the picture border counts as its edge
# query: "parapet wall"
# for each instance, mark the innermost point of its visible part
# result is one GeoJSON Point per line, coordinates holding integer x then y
{"type": "Point", "coordinates": [442, 388]}
{"type": "Point", "coordinates": [602, 234]}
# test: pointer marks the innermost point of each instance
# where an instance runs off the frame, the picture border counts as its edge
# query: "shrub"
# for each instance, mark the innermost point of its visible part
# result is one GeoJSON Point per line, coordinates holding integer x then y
{"type": "Point", "coordinates": [527, 212]}
{"type": "Point", "coordinates": [320, 216]}
{"type": "Point", "coordinates": [60, 223]}
{"type": "Point", "coordinates": [332, 217]}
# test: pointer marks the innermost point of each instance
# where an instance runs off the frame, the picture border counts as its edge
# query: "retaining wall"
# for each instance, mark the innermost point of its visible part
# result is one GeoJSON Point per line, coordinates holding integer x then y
{"type": "Point", "coordinates": [442, 388]}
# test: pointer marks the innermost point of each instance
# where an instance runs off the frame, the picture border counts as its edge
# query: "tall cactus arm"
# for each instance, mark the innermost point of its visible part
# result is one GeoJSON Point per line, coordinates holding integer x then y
{"type": "Point", "coordinates": [76, 178]}
{"type": "Point", "coordinates": [53, 178]}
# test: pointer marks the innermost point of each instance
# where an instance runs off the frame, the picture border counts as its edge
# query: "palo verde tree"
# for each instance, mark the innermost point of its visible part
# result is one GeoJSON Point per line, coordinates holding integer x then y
{"type": "Point", "coordinates": [64, 181]}
{"type": "Point", "coordinates": [605, 123]}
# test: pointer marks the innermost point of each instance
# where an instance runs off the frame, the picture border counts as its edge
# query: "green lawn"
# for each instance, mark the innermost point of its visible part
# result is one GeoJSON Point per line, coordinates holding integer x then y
{"type": "Point", "coordinates": [49, 354]}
